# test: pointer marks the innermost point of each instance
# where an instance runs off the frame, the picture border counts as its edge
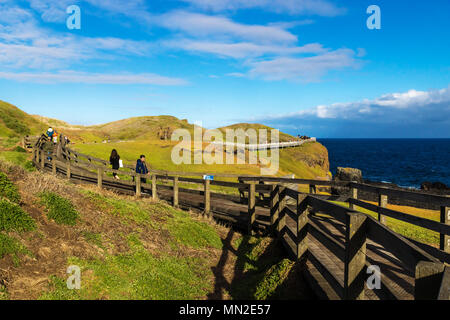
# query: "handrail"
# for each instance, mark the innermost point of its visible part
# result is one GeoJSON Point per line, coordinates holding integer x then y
{"type": "Point", "coordinates": [415, 220]}
{"type": "Point", "coordinates": [409, 195]}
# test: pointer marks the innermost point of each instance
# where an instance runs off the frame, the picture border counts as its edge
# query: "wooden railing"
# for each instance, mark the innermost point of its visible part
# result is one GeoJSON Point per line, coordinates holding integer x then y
{"type": "Point", "coordinates": [432, 276]}
{"type": "Point", "coordinates": [359, 228]}
{"type": "Point", "coordinates": [384, 194]}
{"type": "Point", "coordinates": [29, 141]}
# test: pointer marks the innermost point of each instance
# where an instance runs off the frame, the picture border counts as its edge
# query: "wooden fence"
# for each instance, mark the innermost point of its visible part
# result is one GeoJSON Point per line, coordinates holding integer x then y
{"type": "Point", "coordinates": [29, 141]}
{"type": "Point", "coordinates": [294, 224]}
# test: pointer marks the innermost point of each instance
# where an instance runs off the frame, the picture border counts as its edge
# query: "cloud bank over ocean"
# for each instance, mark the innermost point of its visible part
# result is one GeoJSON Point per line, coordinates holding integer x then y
{"type": "Point", "coordinates": [413, 113]}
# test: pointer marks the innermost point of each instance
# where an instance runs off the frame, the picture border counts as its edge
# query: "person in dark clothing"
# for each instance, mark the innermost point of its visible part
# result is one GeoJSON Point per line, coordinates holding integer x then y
{"type": "Point", "coordinates": [115, 163]}
{"type": "Point", "coordinates": [141, 167]}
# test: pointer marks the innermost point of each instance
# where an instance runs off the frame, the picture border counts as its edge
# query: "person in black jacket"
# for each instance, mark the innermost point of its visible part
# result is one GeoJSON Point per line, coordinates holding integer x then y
{"type": "Point", "coordinates": [141, 167]}
{"type": "Point", "coordinates": [114, 161]}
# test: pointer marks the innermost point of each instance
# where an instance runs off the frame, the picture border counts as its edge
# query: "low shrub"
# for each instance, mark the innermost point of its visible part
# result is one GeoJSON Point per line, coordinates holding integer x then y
{"type": "Point", "coordinates": [12, 247]}
{"type": "Point", "coordinates": [12, 217]}
{"type": "Point", "coordinates": [59, 209]}
{"type": "Point", "coordinates": [19, 149]}
{"type": "Point", "coordinates": [14, 124]}
{"type": "Point", "coordinates": [8, 189]}
{"type": "Point", "coordinates": [29, 166]}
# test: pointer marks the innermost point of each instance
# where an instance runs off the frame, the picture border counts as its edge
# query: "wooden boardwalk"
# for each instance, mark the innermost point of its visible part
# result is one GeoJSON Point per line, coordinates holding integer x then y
{"type": "Point", "coordinates": [335, 244]}
{"type": "Point", "coordinates": [392, 270]}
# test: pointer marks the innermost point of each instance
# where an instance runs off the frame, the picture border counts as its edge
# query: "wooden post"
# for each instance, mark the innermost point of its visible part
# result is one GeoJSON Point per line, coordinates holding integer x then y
{"type": "Point", "coordinates": [42, 159]}
{"type": "Point", "coordinates": [69, 170]}
{"type": "Point", "coordinates": [138, 184]}
{"type": "Point", "coordinates": [59, 150]}
{"type": "Point", "coordinates": [355, 256]}
{"type": "Point", "coordinates": [207, 198]}
{"type": "Point", "coordinates": [241, 192]}
{"type": "Point", "coordinates": [175, 192]}
{"type": "Point", "coordinates": [302, 226]}
{"type": "Point", "coordinates": [428, 280]}
{"type": "Point", "coordinates": [444, 243]}
{"type": "Point", "coordinates": [251, 207]}
{"type": "Point", "coordinates": [54, 165]}
{"type": "Point", "coordinates": [281, 213]}
{"type": "Point", "coordinates": [154, 191]}
{"type": "Point", "coordinates": [99, 178]}
{"type": "Point", "coordinates": [354, 195]}
{"type": "Point", "coordinates": [444, 291]}
{"type": "Point", "coordinates": [382, 202]}
{"type": "Point", "coordinates": [312, 189]}
{"type": "Point", "coordinates": [274, 206]}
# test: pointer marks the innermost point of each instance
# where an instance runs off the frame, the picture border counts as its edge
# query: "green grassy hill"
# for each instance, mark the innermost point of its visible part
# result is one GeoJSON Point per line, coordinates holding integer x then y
{"type": "Point", "coordinates": [284, 137]}
{"type": "Point", "coordinates": [150, 135]}
{"type": "Point", "coordinates": [14, 123]}
{"type": "Point", "coordinates": [141, 127]}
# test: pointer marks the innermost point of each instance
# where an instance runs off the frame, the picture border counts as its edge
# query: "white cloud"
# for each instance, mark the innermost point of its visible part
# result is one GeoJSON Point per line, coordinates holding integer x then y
{"type": "Point", "coordinates": [303, 68]}
{"type": "Point", "coordinates": [92, 78]}
{"type": "Point", "coordinates": [55, 10]}
{"type": "Point", "coordinates": [406, 106]}
{"type": "Point", "coordinates": [319, 7]}
{"type": "Point", "coordinates": [268, 52]}
{"type": "Point", "coordinates": [241, 50]}
{"type": "Point", "coordinates": [12, 15]}
{"type": "Point", "coordinates": [413, 113]}
{"type": "Point", "coordinates": [119, 6]}
{"type": "Point", "coordinates": [24, 44]}
{"type": "Point", "coordinates": [236, 74]}
{"type": "Point", "coordinates": [52, 10]}
{"type": "Point", "coordinates": [201, 25]}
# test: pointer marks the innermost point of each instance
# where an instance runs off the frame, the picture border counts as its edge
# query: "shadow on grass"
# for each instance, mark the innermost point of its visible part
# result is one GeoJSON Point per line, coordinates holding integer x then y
{"type": "Point", "coordinates": [261, 272]}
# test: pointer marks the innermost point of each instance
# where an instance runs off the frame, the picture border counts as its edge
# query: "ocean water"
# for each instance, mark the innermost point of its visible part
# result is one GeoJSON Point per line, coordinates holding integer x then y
{"type": "Point", "coordinates": [405, 162]}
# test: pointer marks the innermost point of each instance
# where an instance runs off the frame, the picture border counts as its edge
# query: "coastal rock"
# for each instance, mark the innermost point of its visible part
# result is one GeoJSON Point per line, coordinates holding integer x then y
{"type": "Point", "coordinates": [433, 186]}
{"type": "Point", "coordinates": [348, 174]}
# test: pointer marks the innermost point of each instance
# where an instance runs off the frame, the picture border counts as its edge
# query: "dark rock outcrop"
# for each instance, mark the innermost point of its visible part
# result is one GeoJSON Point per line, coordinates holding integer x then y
{"type": "Point", "coordinates": [348, 174]}
{"type": "Point", "coordinates": [434, 186]}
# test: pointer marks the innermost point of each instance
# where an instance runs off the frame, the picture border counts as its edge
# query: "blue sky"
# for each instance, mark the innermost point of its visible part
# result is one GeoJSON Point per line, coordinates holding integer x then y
{"type": "Point", "coordinates": [304, 66]}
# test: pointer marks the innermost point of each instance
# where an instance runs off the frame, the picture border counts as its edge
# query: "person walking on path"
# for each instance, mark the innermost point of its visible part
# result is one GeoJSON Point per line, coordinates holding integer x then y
{"type": "Point", "coordinates": [114, 160]}
{"type": "Point", "coordinates": [141, 167]}
{"type": "Point", "coordinates": [55, 137]}
{"type": "Point", "coordinates": [50, 133]}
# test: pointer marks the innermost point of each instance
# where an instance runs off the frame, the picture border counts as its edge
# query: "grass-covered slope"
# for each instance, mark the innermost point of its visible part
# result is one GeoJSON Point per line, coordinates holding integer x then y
{"type": "Point", "coordinates": [14, 123]}
{"type": "Point", "coordinates": [141, 127]}
{"type": "Point", "coordinates": [126, 248]}
{"type": "Point", "coordinates": [283, 137]}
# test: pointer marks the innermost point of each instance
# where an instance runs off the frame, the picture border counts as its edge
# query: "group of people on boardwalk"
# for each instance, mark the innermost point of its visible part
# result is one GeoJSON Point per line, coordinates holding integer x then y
{"type": "Point", "coordinates": [53, 135]}
{"type": "Point", "coordinates": [116, 163]}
